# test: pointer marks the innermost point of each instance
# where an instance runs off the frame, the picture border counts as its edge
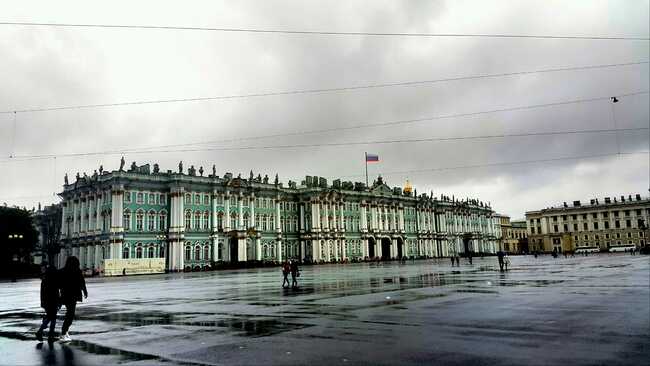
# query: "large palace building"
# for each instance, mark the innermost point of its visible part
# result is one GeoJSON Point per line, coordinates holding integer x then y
{"type": "Point", "coordinates": [195, 221]}
{"type": "Point", "coordinates": [600, 225]}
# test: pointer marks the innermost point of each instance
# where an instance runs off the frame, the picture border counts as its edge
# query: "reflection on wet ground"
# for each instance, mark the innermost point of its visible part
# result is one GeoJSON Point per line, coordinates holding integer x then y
{"type": "Point", "coordinates": [386, 313]}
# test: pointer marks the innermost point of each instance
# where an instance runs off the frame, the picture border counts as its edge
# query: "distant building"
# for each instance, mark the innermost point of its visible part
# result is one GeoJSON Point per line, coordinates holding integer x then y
{"type": "Point", "coordinates": [47, 221]}
{"type": "Point", "coordinates": [512, 236]}
{"type": "Point", "coordinates": [195, 221]}
{"type": "Point", "coordinates": [612, 222]}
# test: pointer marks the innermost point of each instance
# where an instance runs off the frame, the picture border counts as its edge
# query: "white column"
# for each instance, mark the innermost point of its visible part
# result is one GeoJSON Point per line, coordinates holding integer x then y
{"type": "Point", "coordinates": [240, 216]}
{"type": "Point", "coordinates": [75, 213]}
{"type": "Point", "coordinates": [364, 218]}
{"type": "Point", "coordinates": [278, 226]}
{"type": "Point", "coordinates": [98, 212]}
{"type": "Point", "coordinates": [64, 226]}
{"type": "Point", "coordinates": [326, 224]}
{"type": "Point", "coordinates": [251, 201]}
{"type": "Point", "coordinates": [214, 215]}
{"type": "Point", "coordinates": [302, 218]}
{"type": "Point", "coordinates": [226, 218]}
{"type": "Point", "coordinates": [373, 217]}
{"type": "Point", "coordinates": [401, 218]}
{"type": "Point", "coordinates": [258, 249]}
{"type": "Point", "coordinates": [341, 226]}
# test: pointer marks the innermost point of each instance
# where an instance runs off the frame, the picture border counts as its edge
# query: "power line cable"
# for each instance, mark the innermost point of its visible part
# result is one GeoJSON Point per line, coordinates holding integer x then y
{"type": "Point", "coordinates": [316, 91]}
{"type": "Point", "coordinates": [382, 124]}
{"type": "Point", "coordinates": [323, 33]}
{"type": "Point", "coordinates": [331, 144]}
{"type": "Point", "coordinates": [473, 166]}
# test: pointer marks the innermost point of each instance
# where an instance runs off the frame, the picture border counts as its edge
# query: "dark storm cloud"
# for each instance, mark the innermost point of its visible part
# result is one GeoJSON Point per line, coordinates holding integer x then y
{"type": "Point", "coordinates": [46, 67]}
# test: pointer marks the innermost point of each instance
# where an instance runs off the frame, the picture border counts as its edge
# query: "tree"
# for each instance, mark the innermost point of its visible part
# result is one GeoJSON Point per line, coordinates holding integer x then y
{"type": "Point", "coordinates": [48, 222]}
{"type": "Point", "coordinates": [18, 237]}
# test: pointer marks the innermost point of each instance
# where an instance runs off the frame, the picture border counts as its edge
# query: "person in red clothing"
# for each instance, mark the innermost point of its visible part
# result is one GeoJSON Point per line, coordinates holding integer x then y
{"type": "Point", "coordinates": [286, 269]}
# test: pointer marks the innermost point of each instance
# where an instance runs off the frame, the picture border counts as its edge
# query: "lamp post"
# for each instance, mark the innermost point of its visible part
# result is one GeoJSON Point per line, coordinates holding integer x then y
{"type": "Point", "coordinates": [12, 239]}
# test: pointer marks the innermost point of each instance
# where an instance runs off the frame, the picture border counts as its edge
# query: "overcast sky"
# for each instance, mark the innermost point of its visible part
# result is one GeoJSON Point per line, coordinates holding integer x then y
{"type": "Point", "coordinates": [48, 67]}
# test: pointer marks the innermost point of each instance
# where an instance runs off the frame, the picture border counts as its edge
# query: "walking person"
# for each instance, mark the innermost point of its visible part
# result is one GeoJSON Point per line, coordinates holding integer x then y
{"type": "Point", "coordinates": [295, 273]}
{"type": "Point", "coordinates": [500, 255]}
{"type": "Point", "coordinates": [286, 269]}
{"type": "Point", "coordinates": [452, 260]}
{"type": "Point", "coordinates": [49, 302]}
{"type": "Point", "coordinates": [72, 285]}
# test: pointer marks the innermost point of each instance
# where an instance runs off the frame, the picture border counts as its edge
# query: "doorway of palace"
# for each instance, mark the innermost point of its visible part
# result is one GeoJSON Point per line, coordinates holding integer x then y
{"type": "Point", "coordinates": [385, 248]}
{"type": "Point", "coordinates": [466, 245]}
{"type": "Point", "coordinates": [371, 247]}
{"type": "Point", "coordinates": [400, 248]}
{"type": "Point", "coordinates": [234, 249]}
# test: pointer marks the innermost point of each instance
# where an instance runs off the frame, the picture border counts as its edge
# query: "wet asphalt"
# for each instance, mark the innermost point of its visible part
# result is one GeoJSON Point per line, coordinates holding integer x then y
{"type": "Point", "coordinates": [576, 311]}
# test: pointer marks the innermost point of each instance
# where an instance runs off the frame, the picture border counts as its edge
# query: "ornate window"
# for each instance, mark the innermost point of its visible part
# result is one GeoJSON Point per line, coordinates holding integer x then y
{"type": "Point", "coordinates": [220, 221]}
{"type": "Point", "coordinates": [233, 222]}
{"type": "Point", "coordinates": [197, 221]}
{"type": "Point", "coordinates": [206, 199]}
{"type": "Point", "coordinates": [161, 251]}
{"type": "Point", "coordinates": [127, 197]}
{"type": "Point", "coordinates": [233, 200]}
{"type": "Point", "coordinates": [246, 221]}
{"type": "Point", "coordinates": [126, 221]}
{"type": "Point", "coordinates": [188, 220]}
{"type": "Point", "coordinates": [206, 220]}
{"type": "Point", "coordinates": [152, 199]}
{"type": "Point", "coordinates": [138, 252]}
{"type": "Point", "coordinates": [197, 253]}
{"type": "Point", "coordinates": [264, 223]}
{"type": "Point", "coordinates": [163, 199]}
{"type": "Point", "coordinates": [151, 221]}
{"type": "Point", "coordinates": [162, 223]}
{"type": "Point", "coordinates": [188, 253]}
{"type": "Point", "coordinates": [197, 199]}
{"type": "Point", "coordinates": [272, 222]}
{"type": "Point", "coordinates": [139, 217]}
{"type": "Point", "coordinates": [245, 201]}
{"type": "Point", "coordinates": [125, 252]}
{"type": "Point", "coordinates": [188, 199]}
{"type": "Point", "coordinates": [140, 198]}
{"type": "Point", "coordinates": [150, 252]}
{"type": "Point", "coordinates": [220, 200]}
{"type": "Point", "coordinates": [206, 252]}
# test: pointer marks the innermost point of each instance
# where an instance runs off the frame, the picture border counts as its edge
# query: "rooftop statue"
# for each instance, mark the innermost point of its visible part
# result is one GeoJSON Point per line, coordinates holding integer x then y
{"type": "Point", "coordinates": [180, 167]}
{"type": "Point", "coordinates": [101, 169]}
{"type": "Point", "coordinates": [250, 177]}
{"type": "Point", "coordinates": [191, 171]}
{"type": "Point", "coordinates": [266, 179]}
{"type": "Point", "coordinates": [65, 179]}
{"type": "Point", "coordinates": [78, 176]}
{"type": "Point", "coordinates": [95, 174]}
{"type": "Point", "coordinates": [156, 168]}
{"type": "Point", "coordinates": [214, 170]}
{"type": "Point", "coordinates": [201, 170]}
{"type": "Point", "coordinates": [133, 167]}
{"type": "Point", "coordinates": [122, 164]}
{"type": "Point", "coordinates": [276, 179]}
{"type": "Point", "coordinates": [259, 178]}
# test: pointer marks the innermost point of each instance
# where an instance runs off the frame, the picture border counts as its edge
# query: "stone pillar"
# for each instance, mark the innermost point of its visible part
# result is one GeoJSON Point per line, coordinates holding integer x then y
{"type": "Point", "coordinates": [98, 257]}
{"type": "Point", "coordinates": [373, 217]}
{"type": "Point", "coordinates": [393, 249]}
{"type": "Point", "coordinates": [75, 213]}
{"type": "Point", "coordinates": [226, 217]}
{"type": "Point", "coordinates": [364, 218]}
{"type": "Point", "coordinates": [117, 230]}
{"type": "Point", "coordinates": [364, 248]}
{"type": "Point", "coordinates": [240, 214]}
{"type": "Point", "coordinates": [303, 254]}
{"type": "Point", "coordinates": [251, 211]}
{"type": "Point", "coordinates": [215, 229]}
{"type": "Point", "coordinates": [401, 218]}
{"type": "Point", "coordinates": [302, 219]}
{"type": "Point", "coordinates": [98, 213]}
{"type": "Point", "coordinates": [82, 213]}
{"type": "Point", "coordinates": [258, 249]}
{"type": "Point", "coordinates": [175, 254]}
{"type": "Point", "coordinates": [278, 249]}
{"type": "Point", "coordinates": [326, 224]}
{"type": "Point", "coordinates": [64, 226]}
{"type": "Point", "coordinates": [341, 226]}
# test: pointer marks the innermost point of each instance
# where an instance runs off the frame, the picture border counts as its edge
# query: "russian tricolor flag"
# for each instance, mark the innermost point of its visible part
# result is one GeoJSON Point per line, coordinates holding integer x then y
{"type": "Point", "coordinates": [372, 158]}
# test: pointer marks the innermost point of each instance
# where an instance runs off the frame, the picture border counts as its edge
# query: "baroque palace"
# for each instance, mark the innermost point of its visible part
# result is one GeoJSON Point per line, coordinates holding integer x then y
{"type": "Point", "coordinates": [195, 221]}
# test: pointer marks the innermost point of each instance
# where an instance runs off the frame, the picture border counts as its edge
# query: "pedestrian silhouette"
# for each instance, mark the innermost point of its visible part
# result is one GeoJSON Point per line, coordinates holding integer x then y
{"type": "Point", "coordinates": [500, 255]}
{"type": "Point", "coordinates": [295, 273]}
{"type": "Point", "coordinates": [49, 302]}
{"type": "Point", "coordinates": [72, 284]}
{"type": "Point", "coordinates": [286, 269]}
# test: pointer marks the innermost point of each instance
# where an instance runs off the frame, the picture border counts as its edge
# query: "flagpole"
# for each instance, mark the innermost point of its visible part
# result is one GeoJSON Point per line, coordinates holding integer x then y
{"type": "Point", "coordinates": [366, 168]}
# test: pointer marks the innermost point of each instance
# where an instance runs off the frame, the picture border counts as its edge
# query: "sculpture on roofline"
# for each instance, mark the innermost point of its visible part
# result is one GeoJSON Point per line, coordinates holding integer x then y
{"type": "Point", "coordinates": [65, 179]}
{"type": "Point", "coordinates": [250, 177]}
{"type": "Point", "coordinates": [180, 167]}
{"type": "Point", "coordinates": [101, 169]}
{"type": "Point", "coordinates": [259, 178]}
{"type": "Point", "coordinates": [201, 170]}
{"type": "Point", "coordinates": [214, 170]}
{"type": "Point", "coordinates": [276, 179]}
{"type": "Point", "coordinates": [266, 179]}
{"type": "Point", "coordinates": [191, 171]}
{"type": "Point", "coordinates": [156, 168]}
{"type": "Point", "coordinates": [78, 176]}
{"type": "Point", "coordinates": [133, 167]}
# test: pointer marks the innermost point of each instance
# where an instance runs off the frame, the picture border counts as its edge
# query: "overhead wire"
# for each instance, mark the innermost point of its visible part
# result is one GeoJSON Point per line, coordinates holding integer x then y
{"type": "Point", "coordinates": [317, 90]}
{"type": "Point", "coordinates": [323, 33]}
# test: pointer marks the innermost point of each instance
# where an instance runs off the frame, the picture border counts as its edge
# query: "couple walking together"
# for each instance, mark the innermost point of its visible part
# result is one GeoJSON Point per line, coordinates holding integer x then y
{"type": "Point", "coordinates": [290, 267]}
{"type": "Point", "coordinates": [61, 287]}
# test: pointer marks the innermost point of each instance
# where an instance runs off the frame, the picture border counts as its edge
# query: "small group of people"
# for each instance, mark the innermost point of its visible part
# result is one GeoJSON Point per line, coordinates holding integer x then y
{"type": "Point", "coordinates": [61, 287]}
{"type": "Point", "coordinates": [455, 259]}
{"type": "Point", "coordinates": [504, 261]}
{"type": "Point", "coordinates": [290, 266]}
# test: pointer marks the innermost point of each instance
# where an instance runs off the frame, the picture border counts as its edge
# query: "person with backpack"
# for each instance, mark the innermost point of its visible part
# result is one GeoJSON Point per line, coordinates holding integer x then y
{"type": "Point", "coordinates": [72, 285]}
{"type": "Point", "coordinates": [50, 302]}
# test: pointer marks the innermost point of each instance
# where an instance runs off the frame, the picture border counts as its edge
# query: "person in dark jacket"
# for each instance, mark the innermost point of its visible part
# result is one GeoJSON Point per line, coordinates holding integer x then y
{"type": "Point", "coordinates": [295, 272]}
{"type": "Point", "coordinates": [72, 284]}
{"type": "Point", "coordinates": [49, 302]}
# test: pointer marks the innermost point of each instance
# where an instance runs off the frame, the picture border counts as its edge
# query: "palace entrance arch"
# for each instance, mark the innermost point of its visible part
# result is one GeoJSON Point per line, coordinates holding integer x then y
{"type": "Point", "coordinates": [234, 249]}
{"type": "Point", "coordinates": [385, 248]}
{"type": "Point", "coordinates": [371, 247]}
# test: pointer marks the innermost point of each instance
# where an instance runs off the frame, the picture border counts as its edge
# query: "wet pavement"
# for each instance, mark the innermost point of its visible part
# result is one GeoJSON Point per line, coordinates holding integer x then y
{"type": "Point", "coordinates": [544, 311]}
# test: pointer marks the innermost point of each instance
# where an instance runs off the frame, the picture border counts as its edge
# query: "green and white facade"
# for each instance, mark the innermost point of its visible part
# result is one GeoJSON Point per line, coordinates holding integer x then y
{"type": "Point", "coordinates": [195, 221]}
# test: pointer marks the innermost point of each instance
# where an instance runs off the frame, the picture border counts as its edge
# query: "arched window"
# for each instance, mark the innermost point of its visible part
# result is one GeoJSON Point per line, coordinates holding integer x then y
{"type": "Point", "coordinates": [271, 222]}
{"type": "Point", "coordinates": [125, 252]}
{"type": "Point", "coordinates": [206, 252]}
{"type": "Point", "coordinates": [151, 221]}
{"type": "Point", "coordinates": [162, 223]}
{"type": "Point", "coordinates": [220, 221]}
{"type": "Point", "coordinates": [264, 223]}
{"type": "Point", "coordinates": [127, 220]}
{"type": "Point", "coordinates": [188, 220]}
{"type": "Point", "coordinates": [138, 252]}
{"type": "Point", "coordinates": [197, 199]}
{"type": "Point", "coordinates": [245, 221]}
{"type": "Point", "coordinates": [233, 222]}
{"type": "Point", "coordinates": [197, 253]}
{"type": "Point", "coordinates": [188, 253]}
{"type": "Point", "coordinates": [266, 251]}
{"type": "Point", "coordinates": [206, 220]}
{"type": "Point", "coordinates": [197, 220]}
{"type": "Point", "coordinates": [150, 252]}
{"type": "Point", "coordinates": [161, 251]}
{"type": "Point", "coordinates": [139, 218]}
{"type": "Point", "coordinates": [188, 199]}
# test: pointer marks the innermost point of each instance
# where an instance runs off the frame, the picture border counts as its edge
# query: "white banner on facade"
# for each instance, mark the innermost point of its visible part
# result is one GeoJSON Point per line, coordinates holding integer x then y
{"type": "Point", "coordinates": [119, 267]}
